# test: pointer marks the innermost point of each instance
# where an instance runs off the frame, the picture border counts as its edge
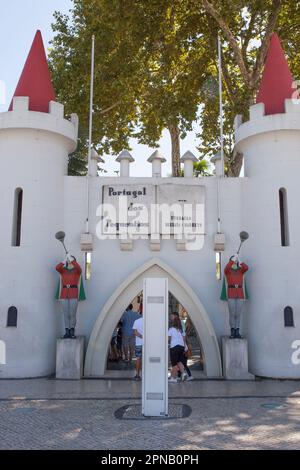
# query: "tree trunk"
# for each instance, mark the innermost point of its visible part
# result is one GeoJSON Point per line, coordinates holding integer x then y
{"type": "Point", "coordinates": [175, 142]}
{"type": "Point", "coordinates": [235, 166]}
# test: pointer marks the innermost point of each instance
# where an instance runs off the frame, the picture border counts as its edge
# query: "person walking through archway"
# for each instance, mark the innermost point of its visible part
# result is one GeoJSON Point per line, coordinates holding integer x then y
{"type": "Point", "coordinates": [184, 357]}
{"type": "Point", "coordinates": [128, 319]}
{"type": "Point", "coordinates": [138, 332]}
{"type": "Point", "coordinates": [177, 344]}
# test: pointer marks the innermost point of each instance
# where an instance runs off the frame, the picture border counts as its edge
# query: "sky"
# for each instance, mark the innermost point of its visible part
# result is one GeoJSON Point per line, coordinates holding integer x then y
{"type": "Point", "coordinates": [19, 21]}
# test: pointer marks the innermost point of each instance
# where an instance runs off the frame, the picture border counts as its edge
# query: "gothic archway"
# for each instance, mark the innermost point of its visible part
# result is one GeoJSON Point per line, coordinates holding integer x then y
{"type": "Point", "coordinates": [95, 363]}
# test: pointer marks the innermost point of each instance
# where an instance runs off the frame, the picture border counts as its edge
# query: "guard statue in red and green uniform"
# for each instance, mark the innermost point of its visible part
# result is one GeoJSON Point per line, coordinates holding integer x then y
{"type": "Point", "coordinates": [234, 290]}
{"type": "Point", "coordinates": [69, 292]}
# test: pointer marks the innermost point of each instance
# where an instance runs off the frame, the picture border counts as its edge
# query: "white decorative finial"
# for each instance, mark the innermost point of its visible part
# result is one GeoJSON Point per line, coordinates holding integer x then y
{"type": "Point", "coordinates": [125, 155]}
{"type": "Point", "coordinates": [95, 159]}
{"type": "Point", "coordinates": [188, 156]}
{"type": "Point", "coordinates": [188, 159]}
{"type": "Point", "coordinates": [96, 156]}
{"type": "Point", "coordinates": [156, 159]}
{"type": "Point", "coordinates": [124, 158]}
{"type": "Point", "coordinates": [217, 160]}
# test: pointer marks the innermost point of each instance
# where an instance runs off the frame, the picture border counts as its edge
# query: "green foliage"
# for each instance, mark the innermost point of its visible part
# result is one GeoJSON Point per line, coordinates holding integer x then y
{"type": "Point", "coordinates": [201, 168]}
{"type": "Point", "coordinates": [148, 68]}
{"type": "Point", "coordinates": [78, 159]}
{"type": "Point", "coordinates": [249, 22]}
{"type": "Point", "coordinates": [156, 67]}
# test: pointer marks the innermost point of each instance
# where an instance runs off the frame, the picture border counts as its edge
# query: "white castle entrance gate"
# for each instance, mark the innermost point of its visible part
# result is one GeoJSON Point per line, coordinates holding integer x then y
{"type": "Point", "coordinates": [95, 362]}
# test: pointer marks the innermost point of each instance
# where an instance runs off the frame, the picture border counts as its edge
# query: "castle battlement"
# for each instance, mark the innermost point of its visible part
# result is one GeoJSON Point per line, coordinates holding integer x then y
{"type": "Point", "coordinates": [260, 123]}
{"type": "Point", "coordinates": [21, 117]}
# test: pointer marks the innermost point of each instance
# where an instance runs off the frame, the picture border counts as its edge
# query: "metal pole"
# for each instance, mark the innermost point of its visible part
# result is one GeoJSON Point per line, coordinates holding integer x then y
{"type": "Point", "coordinates": [238, 252]}
{"type": "Point", "coordinates": [90, 132]}
{"type": "Point", "coordinates": [221, 137]}
{"type": "Point", "coordinates": [218, 204]}
{"type": "Point", "coordinates": [221, 104]}
{"type": "Point", "coordinates": [63, 243]}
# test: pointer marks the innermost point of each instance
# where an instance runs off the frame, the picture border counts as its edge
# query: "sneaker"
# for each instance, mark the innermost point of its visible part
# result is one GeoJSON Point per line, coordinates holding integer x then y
{"type": "Point", "coordinates": [137, 377]}
{"type": "Point", "coordinates": [172, 380]}
{"type": "Point", "coordinates": [183, 377]}
{"type": "Point", "coordinates": [190, 378]}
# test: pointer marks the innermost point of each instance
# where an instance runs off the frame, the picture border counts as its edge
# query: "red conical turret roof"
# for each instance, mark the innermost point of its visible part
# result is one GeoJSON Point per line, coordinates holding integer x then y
{"type": "Point", "coordinates": [35, 80]}
{"type": "Point", "coordinates": [276, 84]}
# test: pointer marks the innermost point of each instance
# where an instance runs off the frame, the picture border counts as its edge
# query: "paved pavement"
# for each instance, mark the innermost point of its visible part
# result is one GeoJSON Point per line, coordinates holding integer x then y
{"type": "Point", "coordinates": [129, 389]}
{"type": "Point", "coordinates": [51, 414]}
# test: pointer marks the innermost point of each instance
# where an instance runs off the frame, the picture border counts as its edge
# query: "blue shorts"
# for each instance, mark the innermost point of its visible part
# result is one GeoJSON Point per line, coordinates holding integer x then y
{"type": "Point", "coordinates": [139, 352]}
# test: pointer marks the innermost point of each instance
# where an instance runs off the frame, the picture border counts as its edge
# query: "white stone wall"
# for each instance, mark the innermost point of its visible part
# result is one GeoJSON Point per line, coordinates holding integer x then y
{"type": "Point", "coordinates": [33, 159]}
{"type": "Point", "coordinates": [271, 148]}
{"type": "Point", "coordinates": [111, 266]}
{"type": "Point", "coordinates": [33, 156]}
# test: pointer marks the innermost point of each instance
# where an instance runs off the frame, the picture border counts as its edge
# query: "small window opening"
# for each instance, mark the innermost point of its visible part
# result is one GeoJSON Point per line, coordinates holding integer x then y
{"type": "Point", "coordinates": [12, 317]}
{"type": "Point", "coordinates": [17, 217]}
{"type": "Point", "coordinates": [284, 227]}
{"type": "Point", "coordinates": [288, 317]}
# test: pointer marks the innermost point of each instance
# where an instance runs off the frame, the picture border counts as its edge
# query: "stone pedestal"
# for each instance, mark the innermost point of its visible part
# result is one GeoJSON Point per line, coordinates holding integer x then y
{"type": "Point", "coordinates": [69, 358]}
{"type": "Point", "coordinates": [235, 359]}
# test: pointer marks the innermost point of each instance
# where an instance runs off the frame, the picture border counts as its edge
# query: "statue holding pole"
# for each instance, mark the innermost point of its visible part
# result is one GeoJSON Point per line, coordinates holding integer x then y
{"type": "Point", "coordinates": [70, 289]}
{"type": "Point", "coordinates": [234, 289]}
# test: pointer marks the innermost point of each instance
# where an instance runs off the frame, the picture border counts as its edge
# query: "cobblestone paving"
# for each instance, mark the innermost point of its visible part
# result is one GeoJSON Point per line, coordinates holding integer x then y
{"type": "Point", "coordinates": [217, 423]}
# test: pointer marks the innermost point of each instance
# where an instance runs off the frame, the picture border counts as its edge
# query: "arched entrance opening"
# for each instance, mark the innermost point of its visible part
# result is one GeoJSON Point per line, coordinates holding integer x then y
{"type": "Point", "coordinates": [96, 356]}
{"type": "Point", "coordinates": [120, 361]}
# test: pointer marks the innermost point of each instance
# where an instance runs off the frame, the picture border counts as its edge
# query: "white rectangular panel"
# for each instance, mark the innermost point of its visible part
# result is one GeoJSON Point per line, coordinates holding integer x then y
{"type": "Point", "coordinates": [155, 349]}
{"type": "Point", "coordinates": [183, 212]}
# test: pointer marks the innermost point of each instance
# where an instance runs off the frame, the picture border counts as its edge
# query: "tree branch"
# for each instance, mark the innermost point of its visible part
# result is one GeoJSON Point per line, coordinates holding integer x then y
{"type": "Point", "coordinates": [255, 76]}
{"type": "Point", "coordinates": [210, 9]}
{"type": "Point", "coordinates": [228, 83]}
{"type": "Point", "coordinates": [106, 110]}
{"type": "Point", "coordinates": [248, 35]}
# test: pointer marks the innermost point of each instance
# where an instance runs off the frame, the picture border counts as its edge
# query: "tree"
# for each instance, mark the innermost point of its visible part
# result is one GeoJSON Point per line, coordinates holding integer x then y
{"type": "Point", "coordinates": [78, 160]}
{"type": "Point", "coordinates": [148, 72]}
{"type": "Point", "coordinates": [156, 67]}
{"type": "Point", "coordinates": [246, 28]}
{"type": "Point", "coordinates": [201, 168]}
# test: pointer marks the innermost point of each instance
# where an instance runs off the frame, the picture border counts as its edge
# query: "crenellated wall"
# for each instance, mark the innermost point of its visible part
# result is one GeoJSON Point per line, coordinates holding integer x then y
{"type": "Point", "coordinates": [112, 265]}
{"type": "Point", "coordinates": [33, 155]}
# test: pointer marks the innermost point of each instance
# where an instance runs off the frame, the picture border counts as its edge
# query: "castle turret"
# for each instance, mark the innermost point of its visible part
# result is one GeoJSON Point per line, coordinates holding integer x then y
{"type": "Point", "coordinates": [270, 144]}
{"type": "Point", "coordinates": [35, 141]}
